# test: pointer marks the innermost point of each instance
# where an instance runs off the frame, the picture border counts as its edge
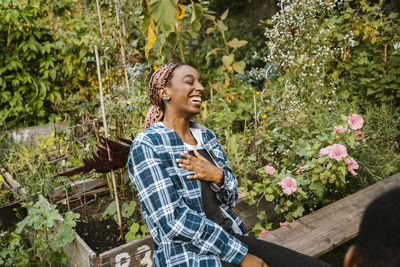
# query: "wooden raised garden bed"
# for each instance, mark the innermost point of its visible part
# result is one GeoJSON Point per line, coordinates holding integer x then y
{"type": "Point", "coordinates": [136, 253]}
{"type": "Point", "coordinates": [313, 234]}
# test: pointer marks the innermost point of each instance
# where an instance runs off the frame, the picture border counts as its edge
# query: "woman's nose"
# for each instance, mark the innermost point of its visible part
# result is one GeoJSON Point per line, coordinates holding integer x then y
{"type": "Point", "coordinates": [199, 87]}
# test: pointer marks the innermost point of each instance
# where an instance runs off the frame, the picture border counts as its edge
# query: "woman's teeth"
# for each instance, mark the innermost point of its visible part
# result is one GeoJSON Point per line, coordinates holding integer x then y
{"type": "Point", "coordinates": [196, 99]}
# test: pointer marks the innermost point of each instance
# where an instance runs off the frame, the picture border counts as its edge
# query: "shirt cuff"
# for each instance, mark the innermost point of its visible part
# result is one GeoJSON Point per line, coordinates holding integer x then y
{"type": "Point", "coordinates": [235, 251]}
{"type": "Point", "coordinates": [216, 188]}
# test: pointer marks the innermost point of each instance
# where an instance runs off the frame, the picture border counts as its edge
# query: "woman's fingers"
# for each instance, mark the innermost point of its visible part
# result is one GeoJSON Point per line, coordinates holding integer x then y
{"type": "Point", "coordinates": [192, 177]}
{"type": "Point", "coordinates": [198, 155]}
{"type": "Point", "coordinates": [184, 161]}
{"type": "Point", "coordinates": [188, 156]}
{"type": "Point", "coordinates": [186, 166]}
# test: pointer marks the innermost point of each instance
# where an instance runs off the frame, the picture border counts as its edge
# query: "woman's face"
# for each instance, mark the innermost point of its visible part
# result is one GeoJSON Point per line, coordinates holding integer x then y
{"type": "Point", "coordinates": [185, 92]}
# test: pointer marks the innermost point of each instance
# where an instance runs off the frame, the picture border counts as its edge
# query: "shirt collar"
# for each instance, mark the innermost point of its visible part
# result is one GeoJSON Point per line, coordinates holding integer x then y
{"type": "Point", "coordinates": [193, 124]}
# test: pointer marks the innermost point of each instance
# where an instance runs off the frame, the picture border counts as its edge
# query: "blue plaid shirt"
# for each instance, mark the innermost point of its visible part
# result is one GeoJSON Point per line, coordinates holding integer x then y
{"type": "Point", "coordinates": [172, 205]}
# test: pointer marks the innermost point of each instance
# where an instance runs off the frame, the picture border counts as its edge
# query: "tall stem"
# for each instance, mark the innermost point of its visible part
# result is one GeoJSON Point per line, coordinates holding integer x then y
{"type": "Point", "coordinates": [179, 33]}
{"type": "Point", "coordinates": [103, 112]}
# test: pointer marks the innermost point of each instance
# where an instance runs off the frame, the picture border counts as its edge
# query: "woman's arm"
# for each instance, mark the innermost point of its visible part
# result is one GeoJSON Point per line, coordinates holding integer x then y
{"type": "Point", "coordinates": [166, 211]}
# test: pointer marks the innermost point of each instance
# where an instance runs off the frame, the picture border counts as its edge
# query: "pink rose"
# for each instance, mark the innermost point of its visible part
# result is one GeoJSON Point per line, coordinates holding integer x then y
{"type": "Point", "coordinates": [355, 121]}
{"type": "Point", "coordinates": [264, 232]}
{"type": "Point", "coordinates": [337, 152]}
{"type": "Point", "coordinates": [324, 151]}
{"type": "Point", "coordinates": [359, 135]}
{"type": "Point", "coordinates": [339, 129]}
{"type": "Point", "coordinates": [303, 168]}
{"type": "Point", "coordinates": [281, 224]}
{"type": "Point", "coordinates": [269, 170]}
{"type": "Point", "coordinates": [288, 185]}
{"type": "Point", "coordinates": [351, 165]}
{"type": "Point", "coordinates": [241, 196]}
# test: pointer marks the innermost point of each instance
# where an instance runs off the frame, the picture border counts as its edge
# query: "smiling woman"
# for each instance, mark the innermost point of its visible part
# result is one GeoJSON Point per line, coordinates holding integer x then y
{"type": "Point", "coordinates": [187, 189]}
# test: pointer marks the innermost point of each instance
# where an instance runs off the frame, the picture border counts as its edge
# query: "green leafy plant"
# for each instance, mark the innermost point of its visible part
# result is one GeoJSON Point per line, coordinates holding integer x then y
{"type": "Point", "coordinates": [370, 63]}
{"type": "Point", "coordinates": [136, 229]}
{"type": "Point", "coordinates": [229, 64]}
{"type": "Point", "coordinates": [49, 233]}
{"type": "Point", "coordinates": [165, 24]}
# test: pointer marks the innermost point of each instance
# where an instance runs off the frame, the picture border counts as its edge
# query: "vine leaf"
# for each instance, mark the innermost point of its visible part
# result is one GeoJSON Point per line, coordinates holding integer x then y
{"type": "Point", "coordinates": [165, 13]}
{"type": "Point", "coordinates": [235, 43]}
{"type": "Point", "coordinates": [239, 67]}
{"type": "Point", "coordinates": [151, 39]}
{"type": "Point", "coordinates": [228, 59]}
{"type": "Point", "coordinates": [197, 13]}
{"type": "Point", "coordinates": [225, 14]}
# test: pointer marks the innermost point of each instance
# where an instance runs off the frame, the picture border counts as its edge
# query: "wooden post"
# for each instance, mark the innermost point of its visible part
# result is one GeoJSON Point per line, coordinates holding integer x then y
{"type": "Point", "coordinates": [103, 112]}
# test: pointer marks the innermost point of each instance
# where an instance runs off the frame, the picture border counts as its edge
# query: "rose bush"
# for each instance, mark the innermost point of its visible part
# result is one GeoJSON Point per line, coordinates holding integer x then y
{"type": "Point", "coordinates": [324, 170]}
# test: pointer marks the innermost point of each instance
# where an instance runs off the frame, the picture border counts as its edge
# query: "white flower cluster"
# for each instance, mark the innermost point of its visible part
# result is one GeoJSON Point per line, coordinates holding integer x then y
{"type": "Point", "coordinates": [257, 74]}
{"type": "Point", "coordinates": [303, 42]}
{"type": "Point", "coordinates": [299, 38]}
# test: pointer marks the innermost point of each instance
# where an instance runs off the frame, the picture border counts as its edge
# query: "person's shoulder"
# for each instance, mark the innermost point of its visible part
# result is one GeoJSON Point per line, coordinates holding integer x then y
{"type": "Point", "coordinates": [211, 134]}
{"type": "Point", "coordinates": [147, 137]}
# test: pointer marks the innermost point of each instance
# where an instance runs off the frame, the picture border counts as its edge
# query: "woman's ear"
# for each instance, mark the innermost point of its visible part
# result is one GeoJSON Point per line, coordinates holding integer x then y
{"type": "Point", "coordinates": [163, 93]}
{"type": "Point", "coordinates": [349, 257]}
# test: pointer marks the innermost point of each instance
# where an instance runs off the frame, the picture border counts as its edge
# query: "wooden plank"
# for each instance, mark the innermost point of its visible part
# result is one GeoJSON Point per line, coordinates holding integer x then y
{"type": "Point", "coordinates": [80, 254]}
{"type": "Point", "coordinates": [76, 187]}
{"type": "Point", "coordinates": [13, 183]}
{"type": "Point", "coordinates": [138, 253]}
{"type": "Point", "coordinates": [25, 135]}
{"type": "Point", "coordinates": [332, 225]}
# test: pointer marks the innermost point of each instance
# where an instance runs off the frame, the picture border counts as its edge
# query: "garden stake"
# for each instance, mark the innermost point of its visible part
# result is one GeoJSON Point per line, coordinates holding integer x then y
{"type": "Point", "coordinates": [96, 130]}
{"type": "Point", "coordinates": [102, 36]}
{"type": "Point", "coordinates": [121, 178]}
{"type": "Point", "coordinates": [106, 134]}
{"type": "Point", "coordinates": [122, 40]}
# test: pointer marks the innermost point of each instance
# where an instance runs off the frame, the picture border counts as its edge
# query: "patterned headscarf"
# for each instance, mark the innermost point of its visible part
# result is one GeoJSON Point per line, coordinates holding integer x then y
{"type": "Point", "coordinates": [157, 81]}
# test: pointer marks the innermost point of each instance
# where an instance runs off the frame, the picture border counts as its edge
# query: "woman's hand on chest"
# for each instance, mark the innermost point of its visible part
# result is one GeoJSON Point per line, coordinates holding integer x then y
{"type": "Point", "coordinates": [204, 170]}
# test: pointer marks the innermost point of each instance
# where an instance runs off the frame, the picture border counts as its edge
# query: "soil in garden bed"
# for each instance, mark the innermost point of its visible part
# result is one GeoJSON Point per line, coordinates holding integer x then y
{"type": "Point", "coordinates": [102, 234]}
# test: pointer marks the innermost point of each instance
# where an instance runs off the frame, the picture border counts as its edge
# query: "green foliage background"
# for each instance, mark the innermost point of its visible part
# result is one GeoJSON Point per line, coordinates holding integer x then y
{"type": "Point", "coordinates": [274, 91]}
